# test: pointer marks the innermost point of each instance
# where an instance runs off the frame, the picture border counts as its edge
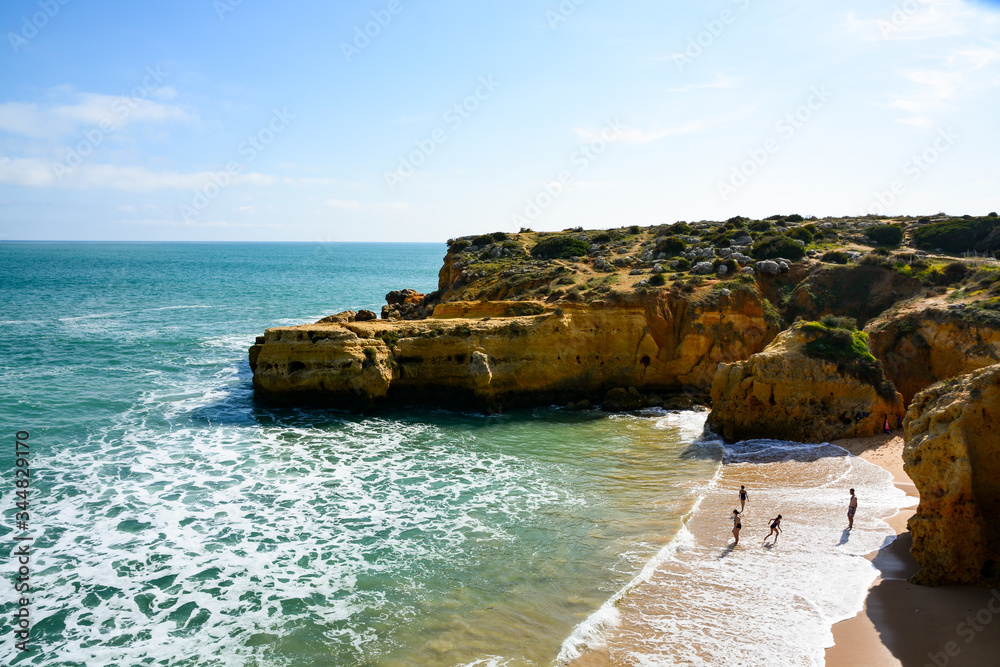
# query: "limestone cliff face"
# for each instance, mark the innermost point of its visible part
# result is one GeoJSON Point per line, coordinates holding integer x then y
{"type": "Point", "coordinates": [919, 347]}
{"type": "Point", "coordinates": [952, 455]}
{"type": "Point", "coordinates": [783, 393]}
{"type": "Point", "coordinates": [466, 356]}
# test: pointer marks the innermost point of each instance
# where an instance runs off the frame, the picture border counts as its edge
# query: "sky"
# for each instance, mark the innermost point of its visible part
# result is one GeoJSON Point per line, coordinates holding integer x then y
{"type": "Point", "coordinates": [421, 120]}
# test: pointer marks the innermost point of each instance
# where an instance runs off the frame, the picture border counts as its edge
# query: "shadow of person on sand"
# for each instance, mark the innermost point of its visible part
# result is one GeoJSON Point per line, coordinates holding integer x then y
{"type": "Point", "coordinates": [728, 550]}
{"type": "Point", "coordinates": [769, 546]}
{"type": "Point", "coordinates": [844, 536]}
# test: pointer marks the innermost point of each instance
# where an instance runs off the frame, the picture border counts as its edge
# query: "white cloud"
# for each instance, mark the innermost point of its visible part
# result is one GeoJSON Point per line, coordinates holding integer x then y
{"type": "Point", "coordinates": [84, 110]}
{"type": "Point", "coordinates": [351, 205]}
{"type": "Point", "coordinates": [33, 172]}
{"type": "Point", "coordinates": [960, 73]}
{"type": "Point", "coordinates": [344, 205]}
{"type": "Point", "coordinates": [721, 81]}
{"type": "Point", "coordinates": [916, 20]}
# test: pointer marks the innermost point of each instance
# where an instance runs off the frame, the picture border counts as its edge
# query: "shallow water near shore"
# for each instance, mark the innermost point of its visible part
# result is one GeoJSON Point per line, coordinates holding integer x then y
{"type": "Point", "coordinates": [178, 523]}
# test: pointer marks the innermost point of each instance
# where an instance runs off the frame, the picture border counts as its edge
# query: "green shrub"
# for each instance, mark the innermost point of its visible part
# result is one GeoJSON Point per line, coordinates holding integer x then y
{"type": "Point", "coordinates": [573, 229]}
{"type": "Point", "coordinates": [835, 322]}
{"type": "Point", "coordinates": [559, 247]}
{"type": "Point", "coordinates": [794, 217]}
{"type": "Point", "coordinates": [459, 246]}
{"type": "Point", "coordinates": [500, 236]}
{"type": "Point", "coordinates": [680, 228]}
{"type": "Point", "coordinates": [923, 221]}
{"type": "Point", "coordinates": [991, 214]}
{"type": "Point", "coordinates": [657, 279]}
{"type": "Point", "coordinates": [683, 264]}
{"type": "Point", "coordinates": [737, 221]}
{"type": "Point", "coordinates": [800, 234]}
{"type": "Point", "coordinates": [634, 229]}
{"type": "Point", "coordinates": [482, 240]}
{"type": "Point", "coordinates": [835, 257]}
{"type": "Point", "coordinates": [888, 235]}
{"type": "Point", "coordinates": [773, 247]}
{"type": "Point", "coordinates": [671, 246]}
{"type": "Point", "coordinates": [601, 238]}
{"type": "Point", "coordinates": [526, 230]}
{"type": "Point", "coordinates": [759, 226]}
{"type": "Point", "coordinates": [775, 217]}
{"type": "Point", "coordinates": [841, 343]}
{"type": "Point", "coordinates": [956, 236]}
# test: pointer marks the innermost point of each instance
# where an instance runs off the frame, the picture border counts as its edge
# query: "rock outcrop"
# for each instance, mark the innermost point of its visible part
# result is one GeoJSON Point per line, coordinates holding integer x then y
{"type": "Point", "coordinates": [919, 346]}
{"type": "Point", "coordinates": [952, 454]}
{"type": "Point", "coordinates": [655, 342]}
{"type": "Point", "coordinates": [784, 393]}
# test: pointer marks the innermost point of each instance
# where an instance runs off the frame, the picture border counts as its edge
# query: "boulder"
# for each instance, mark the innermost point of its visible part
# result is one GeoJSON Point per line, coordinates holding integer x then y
{"type": "Point", "coordinates": [952, 454]}
{"type": "Point", "coordinates": [702, 268]}
{"type": "Point", "coordinates": [365, 316]}
{"type": "Point", "coordinates": [344, 316]}
{"type": "Point", "coordinates": [622, 400]}
{"type": "Point", "coordinates": [767, 267]}
{"type": "Point", "coordinates": [785, 393]}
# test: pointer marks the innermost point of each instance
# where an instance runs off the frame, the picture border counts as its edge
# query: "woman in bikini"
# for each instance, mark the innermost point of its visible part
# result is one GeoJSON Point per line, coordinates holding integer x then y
{"type": "Point", "coordinates": [737, 525]}
{"type": "Point", "coordinates": [775, 529]}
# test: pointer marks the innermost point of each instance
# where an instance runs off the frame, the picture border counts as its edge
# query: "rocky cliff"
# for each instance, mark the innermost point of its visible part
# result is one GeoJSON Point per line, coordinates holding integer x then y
{"type": "Point", "coordinates": [478, 355]}
{"type": "Point", "coordinates": [952, 455]}
{"type": "Point", "coordinates": [930, 340]}
{"type": "Point", "coordinates": [811, 384]}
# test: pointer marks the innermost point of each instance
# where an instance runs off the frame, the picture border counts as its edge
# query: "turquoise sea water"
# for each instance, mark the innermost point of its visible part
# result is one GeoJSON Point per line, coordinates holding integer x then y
{"type": "Point", "coordinates": [175, 522]}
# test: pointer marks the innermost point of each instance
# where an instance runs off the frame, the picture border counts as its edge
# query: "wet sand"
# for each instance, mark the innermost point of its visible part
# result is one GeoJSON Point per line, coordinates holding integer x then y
{"type": "Point", "coordinates": [905, 624]}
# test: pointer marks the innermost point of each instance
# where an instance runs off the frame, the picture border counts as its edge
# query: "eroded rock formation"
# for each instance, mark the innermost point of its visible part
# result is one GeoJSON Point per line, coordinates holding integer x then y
{"type": "Point", "coordinates": [919, 346]}
{"type": "Point", "coordinates": [952, 455]}
{"type": "Point", "coordinates": [783, 393]}
{"type": "Point", "coordinates": [488, 359]}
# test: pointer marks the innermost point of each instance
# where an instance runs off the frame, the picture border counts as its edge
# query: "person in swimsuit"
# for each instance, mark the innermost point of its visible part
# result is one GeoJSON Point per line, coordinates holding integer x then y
{"type": "Point", "coordinates": [775, 529]}
{"type": "Point", "coordinates": [852, 507]}
{"type": "Point", "coordinates": [737, 525]}
{"type": "Point", "coordinates": [743, 497]}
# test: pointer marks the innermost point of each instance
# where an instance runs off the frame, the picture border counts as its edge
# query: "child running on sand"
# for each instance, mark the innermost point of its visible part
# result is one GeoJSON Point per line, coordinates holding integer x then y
{"type": "Point", "coordinates": [775, 529]}
{"type": "Point", "coordinates": [737, 525]}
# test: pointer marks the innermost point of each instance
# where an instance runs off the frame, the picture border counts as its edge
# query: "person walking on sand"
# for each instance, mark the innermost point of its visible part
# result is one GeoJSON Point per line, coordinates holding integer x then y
{"type": "Point", "coordinates": [775, 529]}
{"type": "Point", "coordinates": [743, 497]}
{"type": "Point", "coordinates": [852, 507]}
{"type": "Point", "coordinates": [885, 424]}
{"type": "Point", "coordinates": [737, 525]}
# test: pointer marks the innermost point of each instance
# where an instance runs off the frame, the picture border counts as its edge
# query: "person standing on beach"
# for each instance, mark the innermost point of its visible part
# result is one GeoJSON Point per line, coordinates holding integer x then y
{"type": "Point", "coordinates": [743, 497]}
{"type": "Point", "coordinates": [775, 529]}
{"type": "Point", "coordinates": [852, 507]}
{"type": "Point", "coordinates": [737, 525]}
{"type": "Point", "coordinates": [885, 424]}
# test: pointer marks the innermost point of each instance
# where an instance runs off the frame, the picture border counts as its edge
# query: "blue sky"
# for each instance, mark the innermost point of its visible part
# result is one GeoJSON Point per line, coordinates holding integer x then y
{"type": "Point", "coordinates": [412, 120]}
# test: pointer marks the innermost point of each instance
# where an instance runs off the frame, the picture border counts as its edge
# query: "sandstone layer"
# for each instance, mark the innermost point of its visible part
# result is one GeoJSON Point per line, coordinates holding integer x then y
{"type": "Point", "coordinates": [952, 454]}
{"type": "Point", "coordinates": [921, 345]}
{"type": "Point", "coordinates": [783, 393]}
{"type": "Point", "coordinates": [470, 355]}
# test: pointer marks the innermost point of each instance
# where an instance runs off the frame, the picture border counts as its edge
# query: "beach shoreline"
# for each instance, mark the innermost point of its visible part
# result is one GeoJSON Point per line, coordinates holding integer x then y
{"type": "Point", "coordinates": [902, 623]}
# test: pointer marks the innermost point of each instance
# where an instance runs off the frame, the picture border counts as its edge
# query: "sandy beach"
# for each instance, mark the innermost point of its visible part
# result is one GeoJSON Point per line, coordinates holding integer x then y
{"type": "Point", "coordinates": [905, 624]}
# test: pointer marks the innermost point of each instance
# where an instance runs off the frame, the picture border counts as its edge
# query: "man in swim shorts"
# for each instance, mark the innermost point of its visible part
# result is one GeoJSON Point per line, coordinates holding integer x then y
{"type": "Point", "coordinates": [852, 507]}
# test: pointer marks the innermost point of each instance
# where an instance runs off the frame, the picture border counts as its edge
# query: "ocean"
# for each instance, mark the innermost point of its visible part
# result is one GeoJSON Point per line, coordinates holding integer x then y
{"type": "Point", "coordinates": [170, 520]}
